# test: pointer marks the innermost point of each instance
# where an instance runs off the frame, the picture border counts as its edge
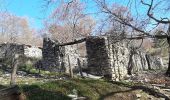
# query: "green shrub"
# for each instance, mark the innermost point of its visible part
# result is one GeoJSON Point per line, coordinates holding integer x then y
{"type": "Point", "coordinates": [33, 71]}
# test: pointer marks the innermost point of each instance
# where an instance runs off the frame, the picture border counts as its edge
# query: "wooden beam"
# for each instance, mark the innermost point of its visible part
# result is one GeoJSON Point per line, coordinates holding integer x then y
{"type": "Point", "coordinates": [73, 42]}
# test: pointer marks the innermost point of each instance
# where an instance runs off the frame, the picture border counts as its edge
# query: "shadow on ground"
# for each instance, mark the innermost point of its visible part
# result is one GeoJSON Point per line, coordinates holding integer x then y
{"type": "Point", "coordinates": [129, 93]}
{"type": "Point", "coordinates": [2, 86]}
{"type": "Point", "coordinates": [34, 92]}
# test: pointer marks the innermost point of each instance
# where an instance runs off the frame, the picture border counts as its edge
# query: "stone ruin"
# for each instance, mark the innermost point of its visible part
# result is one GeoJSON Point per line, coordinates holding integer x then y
{"type": "Point", "coordinates": [104, 58]}
{"type": "Point", "coordinates": [7, 49]}
{"type": "Point", "coordinates": [57, 58]}
{"type": "Point", "coordinates": [27, 53]}
{"type": "Point", "coordinates": [113, 59]}
{"type": "Point", "coordinates": [32, 51]}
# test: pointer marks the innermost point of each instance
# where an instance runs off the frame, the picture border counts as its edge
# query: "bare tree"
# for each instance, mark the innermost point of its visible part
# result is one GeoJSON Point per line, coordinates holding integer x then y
{"type": "Point", "coordinates": [132, 26]}
{"type": "Point", "coordinates": [69, 21]}
{"type": "Point", "coordinates": [142, 32]}
{"type": "Point", "coordinates": [14, 30]}
{"type": "Point", "coordinates": [14, 65]}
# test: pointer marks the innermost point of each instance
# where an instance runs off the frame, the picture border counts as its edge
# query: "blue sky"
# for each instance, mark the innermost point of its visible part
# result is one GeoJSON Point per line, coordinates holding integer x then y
{"type": "Point", "coordinates": [31, 9]}
{"type": "Point", "coordinates": [36, 12]}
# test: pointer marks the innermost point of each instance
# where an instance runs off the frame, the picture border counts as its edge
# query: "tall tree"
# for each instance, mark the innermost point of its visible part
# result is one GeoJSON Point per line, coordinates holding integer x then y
{"type": "Point", "coordinates": [70, 22]}
{"type": "Point", "coordinates": [14, 30]}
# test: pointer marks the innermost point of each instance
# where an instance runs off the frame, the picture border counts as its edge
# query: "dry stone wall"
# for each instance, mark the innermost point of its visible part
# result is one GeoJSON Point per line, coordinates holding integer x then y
{"type": "Point", "coordinates": [114, 60]}
{"type": "Point", "coordinates": [57, 58]}
{"type": "Point", "coordinates": [33, 52]}
{"type": "Point", "coordinates": [70, 57]}
{"type": "Point", "coordinates": [98, 60]}
{"type": "Point", "coordinates": [50, 54]}
{"type": "Point", "coordinates": [119, 57]}
{"type": "Point", "coordinates": [28, 54]}
{"type": "Point", "coordinates": [106, 58]}
{"type": "Point", "coordinates": [8, 49]}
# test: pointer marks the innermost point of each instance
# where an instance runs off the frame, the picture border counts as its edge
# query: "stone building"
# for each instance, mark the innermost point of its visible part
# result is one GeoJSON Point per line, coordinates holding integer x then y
{"type": "Point", "coordinates": [50, 55]}
{"type": "Point", "coordinates": [97, 56]}
{"type": "Point", "coordinates": [58, 58]}
{"type": "Point", "coordinates": [115, 59]}
{"type": "Point", "coordinates": [8, 49]}
{"type": "Point", "coordinates": [104, 58]}
{"type": "Point", "coordinates": [33, 51]}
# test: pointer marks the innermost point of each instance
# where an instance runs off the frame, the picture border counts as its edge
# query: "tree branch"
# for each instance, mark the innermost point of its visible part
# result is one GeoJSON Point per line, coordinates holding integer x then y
{"type": "Point", "coordinates": [151, 15]}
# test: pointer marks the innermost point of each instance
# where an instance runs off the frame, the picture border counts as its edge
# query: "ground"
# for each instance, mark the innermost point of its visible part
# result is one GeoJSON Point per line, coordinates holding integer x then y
{"type": "Point", "coordinates": [34, 88]}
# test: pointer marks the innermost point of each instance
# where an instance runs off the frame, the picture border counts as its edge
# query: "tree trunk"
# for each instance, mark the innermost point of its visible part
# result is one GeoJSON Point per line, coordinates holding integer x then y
{"type": "Point", "coordinates": [14, 70]}
{"type": "Point", "coordinates": [168, 71]}
{"type": "Point", "coordinates": [80, 69]}
{"type": "Point", "coordinates": [70, 69]}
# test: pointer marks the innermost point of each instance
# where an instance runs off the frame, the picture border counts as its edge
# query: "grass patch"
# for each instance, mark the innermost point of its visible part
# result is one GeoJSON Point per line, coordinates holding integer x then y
{"type": "Point", "coordinates": [58, 90]}
{"type": "Point", "coordinates": [29, 69]}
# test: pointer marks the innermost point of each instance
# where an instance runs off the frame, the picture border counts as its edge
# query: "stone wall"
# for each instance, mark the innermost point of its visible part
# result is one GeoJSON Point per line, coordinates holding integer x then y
{"type": "Point", "coordinates": [32, 52]}
{"type": "Point", "coordinates": [57, 58]}
{"type": "Point", "coordinates": [140, 61]}
{"type": "Point", "coordinates": [119, 57]}
{"type": "Point", "coordinates": [104, 58]}
{"type": "Point", "coordinates": [115, 59]}
{"type": "Point", "coordinates": [50, 54]}
{"type": "Point", "coordinates": [8, 49]}
{"type": "Point", "coordinates": [98, 60]}
{"type": "Point", "coordinates": [72, 52]}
